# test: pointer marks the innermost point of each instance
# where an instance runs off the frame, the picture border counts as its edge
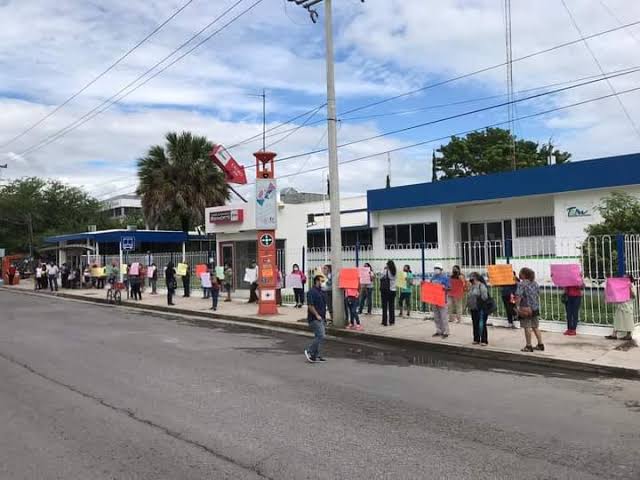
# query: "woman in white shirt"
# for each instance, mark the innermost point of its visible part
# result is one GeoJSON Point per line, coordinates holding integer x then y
{"type": "Point", "coordinates": [388, 294]}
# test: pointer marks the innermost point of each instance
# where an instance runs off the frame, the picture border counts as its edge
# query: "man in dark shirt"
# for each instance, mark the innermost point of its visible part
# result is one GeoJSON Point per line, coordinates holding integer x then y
{"type": "Point", "coordinates": [316, 316]}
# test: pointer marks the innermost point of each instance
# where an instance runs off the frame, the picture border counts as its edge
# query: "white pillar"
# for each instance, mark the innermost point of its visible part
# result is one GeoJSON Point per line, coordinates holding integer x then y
{"type": "Point", "coordinates": [120, 268]}
{"type": "Point", "coordinates": [184, 252]}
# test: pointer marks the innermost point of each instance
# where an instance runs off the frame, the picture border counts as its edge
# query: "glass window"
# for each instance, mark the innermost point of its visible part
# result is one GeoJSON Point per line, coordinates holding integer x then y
{"type": "Point", "coordinates": [431, 234]}
{"type": "Point", "coordinates": [417, 233]}
{"type": "Point", "coordinates": [404, 234]}
{"type": "Point", "coordinates": [390, 239]}
{"type": "Point", "coordinates": [535, 227]}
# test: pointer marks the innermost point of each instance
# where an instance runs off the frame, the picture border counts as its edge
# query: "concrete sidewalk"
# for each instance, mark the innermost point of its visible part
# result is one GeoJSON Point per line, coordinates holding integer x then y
{"type": "Point", "coordinates": [589, 353]}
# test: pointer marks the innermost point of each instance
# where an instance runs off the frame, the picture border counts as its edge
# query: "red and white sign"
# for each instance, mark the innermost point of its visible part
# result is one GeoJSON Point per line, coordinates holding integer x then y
{"type": "Point", "coordinates": [234, 215]}
{"type": "Point", "coordinates": [233, 171]}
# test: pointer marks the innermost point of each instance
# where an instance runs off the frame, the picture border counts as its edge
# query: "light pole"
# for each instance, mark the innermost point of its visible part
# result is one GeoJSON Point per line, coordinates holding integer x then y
{"type": "Point", "coordinates": [334, 181]}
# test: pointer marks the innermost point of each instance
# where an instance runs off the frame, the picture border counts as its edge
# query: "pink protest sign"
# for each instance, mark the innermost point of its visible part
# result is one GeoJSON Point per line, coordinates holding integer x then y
{"type": "Point", "coordinates": [365, 275]}
{"type": "Point", "coordinates": [134, 269]}
{"type": "Point", "coordinates": [617, 290]}
{"type": "Point", "coordinates": [566, 275]}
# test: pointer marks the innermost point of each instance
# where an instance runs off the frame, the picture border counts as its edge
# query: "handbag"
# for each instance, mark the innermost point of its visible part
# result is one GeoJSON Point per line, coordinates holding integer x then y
{"type": "Point", "coordinates": [525, 312]}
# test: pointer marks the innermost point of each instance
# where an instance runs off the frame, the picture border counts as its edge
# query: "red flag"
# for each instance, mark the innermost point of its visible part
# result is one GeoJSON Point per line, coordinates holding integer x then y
{"type": "Point", "coordinates": [233, 171]}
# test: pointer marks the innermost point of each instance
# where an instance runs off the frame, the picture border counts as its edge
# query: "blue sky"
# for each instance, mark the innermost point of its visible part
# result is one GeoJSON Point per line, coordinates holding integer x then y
{"type": "Point", "coordinates": [49, 49]}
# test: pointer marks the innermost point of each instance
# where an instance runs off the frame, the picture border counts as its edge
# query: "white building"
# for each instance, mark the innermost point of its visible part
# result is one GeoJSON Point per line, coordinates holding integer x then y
{"type": "Point", "coordinates": [525, 216]}
{"type": "Point", "coordinates": [122, 205]}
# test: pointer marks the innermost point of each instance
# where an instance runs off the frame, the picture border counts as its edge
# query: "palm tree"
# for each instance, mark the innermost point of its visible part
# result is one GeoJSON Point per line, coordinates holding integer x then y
{"type": "Point", "coordinates": [179, 181]}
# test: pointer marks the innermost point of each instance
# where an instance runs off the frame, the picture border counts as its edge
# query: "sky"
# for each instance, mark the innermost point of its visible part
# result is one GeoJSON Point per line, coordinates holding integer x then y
{"type": "Point", "coordinates": [50, 49]}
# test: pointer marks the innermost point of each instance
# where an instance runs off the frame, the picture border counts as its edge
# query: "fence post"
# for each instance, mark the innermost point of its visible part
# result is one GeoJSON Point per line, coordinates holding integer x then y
{"type": "Point", "coordinates": [357, 254]}
{"type": "Point", "coordinates": [304, 252]}
{"type": "Point", "coordinates": [423, 262]}
{"type": "Point", "coordinates": [621, 255]}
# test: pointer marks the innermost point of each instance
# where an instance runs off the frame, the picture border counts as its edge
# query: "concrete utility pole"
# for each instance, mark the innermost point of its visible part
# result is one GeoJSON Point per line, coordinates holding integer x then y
{"type": "Point", "coordinates": [334, 182]}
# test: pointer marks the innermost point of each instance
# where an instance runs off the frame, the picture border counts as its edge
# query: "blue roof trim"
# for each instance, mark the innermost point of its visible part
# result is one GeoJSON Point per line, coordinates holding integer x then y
{"type": "Point", "coordinates": [114, 236]}
{"type": "Point", "coordinates": [584, 175]}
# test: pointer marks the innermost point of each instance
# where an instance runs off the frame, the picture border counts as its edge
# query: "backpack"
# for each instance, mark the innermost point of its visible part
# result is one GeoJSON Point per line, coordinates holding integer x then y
{"type": "Point", "coordinates": [489, 305]}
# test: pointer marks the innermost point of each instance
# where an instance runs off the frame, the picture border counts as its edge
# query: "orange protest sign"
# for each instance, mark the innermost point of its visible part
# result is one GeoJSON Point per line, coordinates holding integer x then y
{"type": "Point", "coordinates": [501, 275]}
{"type": "Point", "coordinates": [433, 293]}
{"type": "Point", "coordinates": [349, 278]}
{"type": "Point", "coordinates": [200, 269]}
{"type": "Point", "coordinates": [457, 288]}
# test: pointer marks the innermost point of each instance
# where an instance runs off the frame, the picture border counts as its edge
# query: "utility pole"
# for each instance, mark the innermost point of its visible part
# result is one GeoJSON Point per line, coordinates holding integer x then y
{"type": "Point", "coordinates": [3, 166]}
{"type": "Point", "coordinates": [334, 183]}
{"type": "Point", "coordinates": [263, 95]}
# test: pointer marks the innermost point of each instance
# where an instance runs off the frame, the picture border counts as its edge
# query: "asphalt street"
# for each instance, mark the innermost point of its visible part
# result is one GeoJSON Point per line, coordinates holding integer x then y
{"type": "Point", "coordinates": [98, 392]}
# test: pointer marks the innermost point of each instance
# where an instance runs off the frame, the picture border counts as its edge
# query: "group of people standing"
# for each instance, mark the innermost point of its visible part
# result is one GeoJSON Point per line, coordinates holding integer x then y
{"type": "Point", "coordinates": [210, 282]}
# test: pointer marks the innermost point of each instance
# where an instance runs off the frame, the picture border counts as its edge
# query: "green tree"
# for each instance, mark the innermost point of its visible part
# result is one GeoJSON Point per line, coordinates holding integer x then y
{"type": "Point", "coordinates": [489, 151]}
{"type": "Point", "coordinates": [178, 181]}
{"type": "Point", "coordinates": [620, 214]}
{"type": "Point", "coordinates": [48, 206]}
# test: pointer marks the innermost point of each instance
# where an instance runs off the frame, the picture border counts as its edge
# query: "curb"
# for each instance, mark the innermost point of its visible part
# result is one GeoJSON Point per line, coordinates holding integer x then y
{"type": "Point", "coordinates": [469, 352]}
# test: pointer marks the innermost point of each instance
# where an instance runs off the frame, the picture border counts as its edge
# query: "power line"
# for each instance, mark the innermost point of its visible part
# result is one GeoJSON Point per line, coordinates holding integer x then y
{"type": "Point", "coordinates": [111, 67]}
{"type": "Point", "coordinates": [597, 62]}
{"type": "Point", "coordinates": [492, 67]}
{"type": "Point", "coordinates": [302, 125]}
{"type": "Point", "coordinates": [463, 114]}
{"type": "Point", "coordinates": [110, 101]}
{"type": "Point", "coordinates": [466, 132]}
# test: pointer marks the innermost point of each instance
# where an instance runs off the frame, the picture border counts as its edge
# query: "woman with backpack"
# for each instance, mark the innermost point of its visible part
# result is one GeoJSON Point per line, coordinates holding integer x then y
{"type": "Point", "coordinates": [388, 294]}
{"type": "Point", "coordinates": [477, 300]}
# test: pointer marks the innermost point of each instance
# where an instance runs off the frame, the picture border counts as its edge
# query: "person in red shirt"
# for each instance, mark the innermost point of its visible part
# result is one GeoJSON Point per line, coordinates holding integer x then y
{"type": "Point", "coordinates": [572, 301]}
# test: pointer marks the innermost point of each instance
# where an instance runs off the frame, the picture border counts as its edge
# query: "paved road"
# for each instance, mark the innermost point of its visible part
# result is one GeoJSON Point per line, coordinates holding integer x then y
{"type": "Point", "coordinates": [92, 392]}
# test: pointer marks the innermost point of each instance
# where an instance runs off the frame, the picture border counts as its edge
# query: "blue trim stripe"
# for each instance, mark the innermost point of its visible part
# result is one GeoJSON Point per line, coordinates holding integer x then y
{"type": "Point", "coordinates": [607, 172]}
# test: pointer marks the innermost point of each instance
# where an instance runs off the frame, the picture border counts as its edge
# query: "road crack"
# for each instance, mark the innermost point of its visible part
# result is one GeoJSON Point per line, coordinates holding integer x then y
{"type": "Point", "coordinates": [255, 467]}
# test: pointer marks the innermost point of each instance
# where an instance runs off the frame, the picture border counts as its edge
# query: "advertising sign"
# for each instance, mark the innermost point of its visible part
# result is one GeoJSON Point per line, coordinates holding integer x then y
{"type": "Point", "coordinates": [266, 204]}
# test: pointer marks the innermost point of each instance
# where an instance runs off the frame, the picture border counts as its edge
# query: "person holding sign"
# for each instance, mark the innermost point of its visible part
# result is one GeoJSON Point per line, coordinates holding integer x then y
{"type": "Point", "coordinates": [215, 289]}
{"type": "Point", "coordinates": [186, 281]}
{"type": "Point", "coordinates": [441, 314]}
{"type": "Point", "coordinates": [623, 321]}
{"type": "Point", "coordinates": [456, 294]}
{"type": "Point", "coordinates": [388, 294]}
{"type": "Point", "coordinates": [405, 289]}
{"type": "Point", "coordinates": [366, 287]}
{"type": "Point", "coordinates": [170, 280]}
{"type": "Point", "coordinates": [508, 294]}
{"type": "Point", "coordinates": [298, 289]}
{"type": "Point", "coordinates": [228, 281]}
{"type": "Point", "coordinates": [476, 301]}
{"type": "Point", "coordinates": [528, 302]}
{"type": "Point", "coordinates": [152, 274]}
{"type": "Point", "coordinates": [205, 282]}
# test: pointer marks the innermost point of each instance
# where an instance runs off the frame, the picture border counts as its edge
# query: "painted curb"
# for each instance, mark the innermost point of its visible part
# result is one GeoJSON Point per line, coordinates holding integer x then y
{"type": "Point", "coordinates": [486, 353]}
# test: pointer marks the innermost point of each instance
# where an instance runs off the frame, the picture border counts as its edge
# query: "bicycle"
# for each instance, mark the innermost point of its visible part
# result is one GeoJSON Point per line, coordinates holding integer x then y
{"type": "Point", "coordinates": [114, 295]}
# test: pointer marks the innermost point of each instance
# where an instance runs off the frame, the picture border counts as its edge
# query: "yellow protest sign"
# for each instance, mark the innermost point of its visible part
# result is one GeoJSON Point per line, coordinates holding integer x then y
{"type": "Point", "coordinates": [182, 269]}
{"type": "Point", "coordinates": [500, 275]}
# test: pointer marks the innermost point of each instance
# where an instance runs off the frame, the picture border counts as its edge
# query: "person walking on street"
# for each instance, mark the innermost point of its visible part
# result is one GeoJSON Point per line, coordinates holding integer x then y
{"type": "Point", "coordinates": [528, 301]}
{"type": "Point", "coordinates": [388, 294]}
{"type": "Point", "coordinates": [316, 317]}
{"type": "Point", "coordinates": [476, 301]}
{"type": "Point", "coordinates": [186, 283]}
{"type": "Point", "coordinates": [52, 274]}
{"type": "Point", "coordinates": [623, 321]}
{"type": "Point", "coordinates": [215, 290]}
{"type": "Point", "coordinates": [441, 314]}
{"type": "Point", "coordinates": [170, 280]}
{"type": "Point", "coordinates": [298, 293]}
{"type": "Point", "coordinates": [405, 290]}
{"type": "Point", "coordinates": [572, 299]}
{"type": "Point", "coordinates": [366, 291]}
{"type": "Point", "coordinates": [228, 281]}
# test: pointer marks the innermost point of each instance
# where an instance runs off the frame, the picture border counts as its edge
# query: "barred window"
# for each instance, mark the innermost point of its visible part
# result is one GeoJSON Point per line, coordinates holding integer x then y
{"type": "Point", "coordinates": [535, 227]}
{"type": "Point", "coordinates": [406, 235]}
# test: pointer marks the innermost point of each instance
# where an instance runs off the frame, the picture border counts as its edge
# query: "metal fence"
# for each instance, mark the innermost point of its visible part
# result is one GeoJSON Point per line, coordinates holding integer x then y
{"type": "Point", "coordinates": [600, 257]}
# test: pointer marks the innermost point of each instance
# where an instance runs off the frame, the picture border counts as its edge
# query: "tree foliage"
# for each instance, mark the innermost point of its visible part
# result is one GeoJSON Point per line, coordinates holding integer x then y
{"type": "Point", "coordinates": [178, 181]}
{"type": "Point", "coordinates": [50, 206]}
{"type": "Point", "coordinates": [489, 151]}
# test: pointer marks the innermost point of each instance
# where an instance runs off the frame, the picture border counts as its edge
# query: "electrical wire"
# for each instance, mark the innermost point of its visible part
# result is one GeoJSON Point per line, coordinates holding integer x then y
{"type": "Point", "coordinates": [98, 77]}
{"type": "Point", "coordinates": [460, 115]}
{"type": "Point", "coordinates": [302, 125]}
{"type": "Point", "coordinates": [113, 99]}
{"type": "Point", "coordinates": [466, 132]}
{"type": "Point", "coordinates": [599, 65]}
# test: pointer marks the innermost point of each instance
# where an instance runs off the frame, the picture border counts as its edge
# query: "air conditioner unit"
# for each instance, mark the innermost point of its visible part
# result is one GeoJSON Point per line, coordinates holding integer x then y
{"type": "Point", "coordinates": [92, 228]}
{"type": "Point", "coordinates": [132, 228]}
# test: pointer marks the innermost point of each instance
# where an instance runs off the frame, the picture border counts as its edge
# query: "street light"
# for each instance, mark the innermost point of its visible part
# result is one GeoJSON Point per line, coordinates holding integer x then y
{"type": "Point", "coordinates": [334, 182]}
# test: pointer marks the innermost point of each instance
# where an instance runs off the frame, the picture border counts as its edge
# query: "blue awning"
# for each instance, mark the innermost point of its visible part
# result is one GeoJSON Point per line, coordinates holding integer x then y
{"type": "Point", "coordinates": [115, 236]}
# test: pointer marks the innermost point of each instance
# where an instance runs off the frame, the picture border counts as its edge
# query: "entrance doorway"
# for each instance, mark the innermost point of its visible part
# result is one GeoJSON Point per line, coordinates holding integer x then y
{"type": "Point", "coordinates": [227, 252]}
{"type": "Point", "coordinates": [482, 242]}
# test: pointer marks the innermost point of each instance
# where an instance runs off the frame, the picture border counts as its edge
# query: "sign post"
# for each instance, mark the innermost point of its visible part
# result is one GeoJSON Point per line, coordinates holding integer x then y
{"type": "Point", "coordinates": [266, 224]}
